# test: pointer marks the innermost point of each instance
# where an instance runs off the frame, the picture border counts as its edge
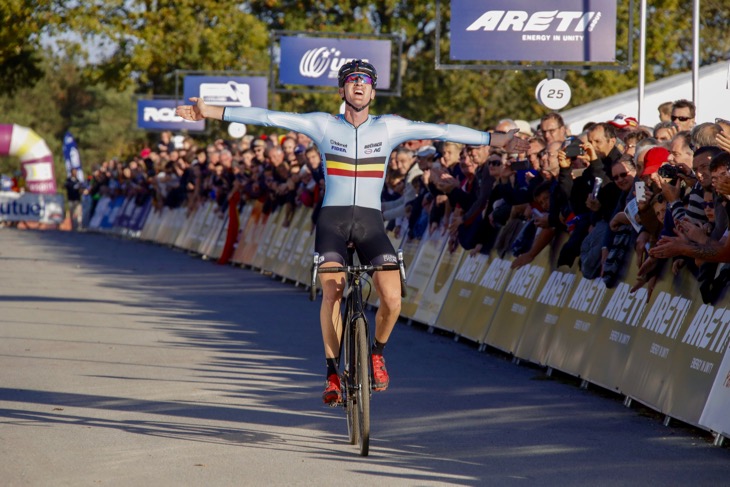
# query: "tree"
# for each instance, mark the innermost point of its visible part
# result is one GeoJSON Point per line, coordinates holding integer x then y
{"type": "Point", "coordinates": [20, 42]}
{"type": "Point", "coordinates": [148, 40]}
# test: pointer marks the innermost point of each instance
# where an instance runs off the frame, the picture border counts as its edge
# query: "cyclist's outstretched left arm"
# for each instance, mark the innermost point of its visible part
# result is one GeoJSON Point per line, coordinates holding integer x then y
{"type": "Point", "coordinates": [401, 130]}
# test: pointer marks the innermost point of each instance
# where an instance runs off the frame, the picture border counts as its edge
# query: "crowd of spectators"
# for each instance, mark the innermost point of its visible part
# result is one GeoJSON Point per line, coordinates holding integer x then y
{"type": "Point", "coordinates": [280, 171]}
{"type": "Point", "coordinates": [593, 197]}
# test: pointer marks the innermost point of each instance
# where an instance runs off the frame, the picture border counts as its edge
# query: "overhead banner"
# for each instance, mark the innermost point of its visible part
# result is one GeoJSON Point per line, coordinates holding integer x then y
{"type": "Point", "coordinates": [228, 91]}
{"type": "Point", "coordinates": [160, 115]}
{"type": "Point", "coordinates": [525, 30]}
{"type": "Point", "coordinates": [315, 61]}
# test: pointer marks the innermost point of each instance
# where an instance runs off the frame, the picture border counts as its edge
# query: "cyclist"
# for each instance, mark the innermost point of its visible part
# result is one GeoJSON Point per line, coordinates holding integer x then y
{"type": "Point", "coordinates": [355, 147]}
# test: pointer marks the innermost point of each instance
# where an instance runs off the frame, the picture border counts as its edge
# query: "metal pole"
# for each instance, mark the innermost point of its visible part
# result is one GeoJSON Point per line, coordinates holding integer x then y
{"type": "Point", "coordinates": [642, 57]}
{"type": "Point", "coordinates": [696, 53]}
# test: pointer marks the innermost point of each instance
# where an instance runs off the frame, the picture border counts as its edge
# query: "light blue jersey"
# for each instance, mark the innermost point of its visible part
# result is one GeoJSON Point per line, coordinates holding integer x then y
{"type": "Point", "coordinates": [355, 159]}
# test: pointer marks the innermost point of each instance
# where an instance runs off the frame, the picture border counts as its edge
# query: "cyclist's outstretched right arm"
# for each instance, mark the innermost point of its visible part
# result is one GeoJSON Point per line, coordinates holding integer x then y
{"type": "Point", "coordinates": [311, 124]}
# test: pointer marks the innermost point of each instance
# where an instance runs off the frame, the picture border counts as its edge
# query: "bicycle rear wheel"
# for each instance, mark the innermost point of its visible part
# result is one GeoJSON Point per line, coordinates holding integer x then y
{"type": "Point", "coordinates": [362, 379]}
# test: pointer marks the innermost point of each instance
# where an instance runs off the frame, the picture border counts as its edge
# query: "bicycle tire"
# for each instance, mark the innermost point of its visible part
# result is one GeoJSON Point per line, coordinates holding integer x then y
{"type": "Point", "coordinates": [347, 382]}
{"type": "Point", "coordinates": [362, 378]}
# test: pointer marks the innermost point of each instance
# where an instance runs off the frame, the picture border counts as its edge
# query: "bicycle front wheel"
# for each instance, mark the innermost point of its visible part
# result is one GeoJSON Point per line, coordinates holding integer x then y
{"type": "Point", "coordinates": [353, 417]}
{"type": "Point", "coordinates": [362, 377]}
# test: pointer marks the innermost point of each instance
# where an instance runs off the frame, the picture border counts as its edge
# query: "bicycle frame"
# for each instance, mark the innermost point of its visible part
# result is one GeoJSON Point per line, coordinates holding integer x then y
{"type": "Point", "coordinates": [355, 359]}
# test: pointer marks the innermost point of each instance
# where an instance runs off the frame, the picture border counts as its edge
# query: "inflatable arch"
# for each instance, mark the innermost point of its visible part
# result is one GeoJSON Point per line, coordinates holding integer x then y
{"type": "Point", "coordinates": [35, 157]}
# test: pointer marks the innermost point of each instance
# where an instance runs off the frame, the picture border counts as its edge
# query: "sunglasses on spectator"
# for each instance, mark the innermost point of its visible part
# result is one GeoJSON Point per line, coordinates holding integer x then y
{"type": "Point", "coordinates": [681, 119]}
{"type": "Point", "coordinates": [620, 175]}
{"type": "Point", "coordinates": [495, 162]}
{"type": "Point", "coordinates": [359, 78]}
{"type": "Point", "coordinates": [708, 204]}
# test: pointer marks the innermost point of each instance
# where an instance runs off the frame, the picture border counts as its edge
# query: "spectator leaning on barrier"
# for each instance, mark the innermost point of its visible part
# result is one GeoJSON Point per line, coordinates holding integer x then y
{"type": "Point", "coordinates": [705, 249]}
{"type": "Point", "coordinates": [407, 166]}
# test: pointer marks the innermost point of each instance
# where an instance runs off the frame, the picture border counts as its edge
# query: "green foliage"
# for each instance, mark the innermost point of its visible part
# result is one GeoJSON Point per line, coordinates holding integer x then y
{"type": "Point", "coordinates": [22, 21]}
{"type": "Point", "coordinates": [101, 120]}
{"type": "Point", "coordinates": [149, 40]}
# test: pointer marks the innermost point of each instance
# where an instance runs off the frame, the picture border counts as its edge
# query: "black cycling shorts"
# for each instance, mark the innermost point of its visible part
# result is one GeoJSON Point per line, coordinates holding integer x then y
{"type": "Point", "coordinates": [338, 225]}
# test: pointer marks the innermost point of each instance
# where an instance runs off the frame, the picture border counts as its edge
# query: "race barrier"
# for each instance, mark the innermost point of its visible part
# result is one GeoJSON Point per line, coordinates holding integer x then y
{"type": "Point", "coordinates": [668, 351]}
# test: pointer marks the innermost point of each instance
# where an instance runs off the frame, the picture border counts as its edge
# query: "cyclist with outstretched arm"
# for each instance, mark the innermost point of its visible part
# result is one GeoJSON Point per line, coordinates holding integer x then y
{"type": "Point", "coordinates": [355, 147]}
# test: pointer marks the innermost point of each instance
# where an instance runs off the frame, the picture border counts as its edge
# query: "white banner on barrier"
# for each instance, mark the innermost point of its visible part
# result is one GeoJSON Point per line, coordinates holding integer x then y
{"type": "Point", "coordinates": [715, 415]}
{"type": "Point", "coordinates": [31, 207]}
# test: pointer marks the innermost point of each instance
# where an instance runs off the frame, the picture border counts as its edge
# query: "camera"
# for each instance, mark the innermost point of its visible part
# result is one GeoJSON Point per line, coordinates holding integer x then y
{"type": "Point", "coordinates": [574, 149]}
{"type": "Point", "coordinates": [520, 165]}
{"type": "Point", "coordinates": [668, 171]}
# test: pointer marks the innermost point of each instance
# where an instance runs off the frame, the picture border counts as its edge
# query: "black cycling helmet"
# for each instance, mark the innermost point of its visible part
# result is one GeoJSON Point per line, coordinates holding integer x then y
{"type": "Point", "coordinates": [357, 66]}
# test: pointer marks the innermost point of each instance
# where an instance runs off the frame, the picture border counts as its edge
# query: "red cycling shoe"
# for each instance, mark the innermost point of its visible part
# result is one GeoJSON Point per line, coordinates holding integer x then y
{"type": "Point", "coordinates": [332, 392]}
{"type": "Point", "coordinates": [380, 373]}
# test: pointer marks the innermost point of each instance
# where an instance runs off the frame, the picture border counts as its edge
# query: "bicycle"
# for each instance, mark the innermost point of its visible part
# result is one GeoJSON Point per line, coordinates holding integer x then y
{"type": "Point", "coordinates": [355, 359]}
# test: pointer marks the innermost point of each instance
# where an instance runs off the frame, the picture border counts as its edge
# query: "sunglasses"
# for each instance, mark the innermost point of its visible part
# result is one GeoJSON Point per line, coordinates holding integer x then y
{"type": "Point", "coordinates": [681, 119]}
{"type": "Point", "coordinates": [708, 204]}
{"type": "Point", "coordinates": [620, 175]}
{"type": "Point", "coordinates": [495, 162]}
{"type": "Point", "coordinates": [359, 78]}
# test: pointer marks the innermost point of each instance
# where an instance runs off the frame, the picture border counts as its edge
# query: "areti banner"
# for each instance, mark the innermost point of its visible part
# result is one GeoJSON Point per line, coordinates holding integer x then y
{"type": "Point", "coordinates": [228, 91]}
{"type": "Point", "coordinates": [160, 115]}
{"type": "Point", "coordinates": [315, 61]}
{"type": "Point", "coordinates": [525, 30]}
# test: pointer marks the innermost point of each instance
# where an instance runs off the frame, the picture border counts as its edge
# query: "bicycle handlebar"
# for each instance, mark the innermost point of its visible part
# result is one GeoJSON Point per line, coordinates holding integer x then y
{"type": "Point", "coordinates": [357, 269]}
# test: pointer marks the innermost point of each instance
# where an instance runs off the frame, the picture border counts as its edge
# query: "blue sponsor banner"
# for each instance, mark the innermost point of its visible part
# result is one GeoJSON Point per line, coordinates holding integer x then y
{"type": "Point", "coordinates": [139, 216]}
{"type": "Point", "coordinates": [160, 115]}
{"type": "Point", "coordinates": [315, 61]}
{"type": "Point", "coordinates": [525, 30]}
{"type": "Point", "coordinates": [228, 91]}
{"type": "Point", "coordinates": [71, 156]}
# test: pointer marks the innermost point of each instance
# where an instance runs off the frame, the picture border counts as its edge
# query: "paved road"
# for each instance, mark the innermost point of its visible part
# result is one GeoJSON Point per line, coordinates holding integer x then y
{"type": "Point", "coordinates": [125, 364]}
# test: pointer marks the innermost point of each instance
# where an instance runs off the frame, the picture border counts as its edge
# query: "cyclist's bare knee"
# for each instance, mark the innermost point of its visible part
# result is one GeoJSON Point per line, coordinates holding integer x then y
{"type": "Point", "coordinates": [388, 286]}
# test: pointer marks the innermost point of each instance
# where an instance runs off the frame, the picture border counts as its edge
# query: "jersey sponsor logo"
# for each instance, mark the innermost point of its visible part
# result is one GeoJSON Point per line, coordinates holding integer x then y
{"type": "Point", "coordinates": [339, 144]}
{"type": "Point", "coordinates": [521, 21]}
{"type": "Point", "coordinates": [390, 258]}
{"type": "Point", "coordinates": [338, 149]}
{"type": "Point", "coordinates": [322, 60]}
{"type": "Point", "coordinates": [371, 151]}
